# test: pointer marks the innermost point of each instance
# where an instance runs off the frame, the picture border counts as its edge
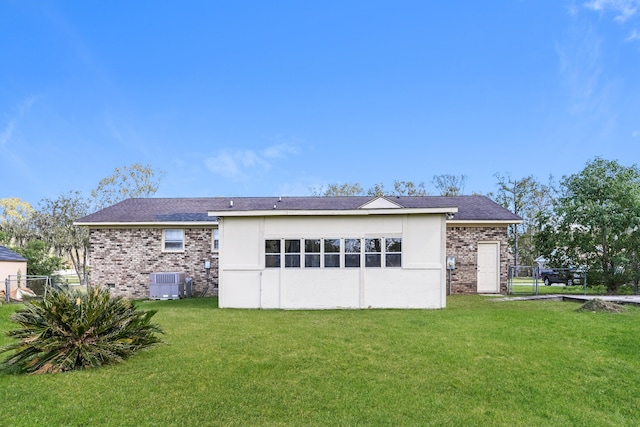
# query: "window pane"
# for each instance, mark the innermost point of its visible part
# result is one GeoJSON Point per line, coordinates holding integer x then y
{"type": "Point", "coordinates": [292, 251]}
{"type": "Point", "coordinates": [393, 260]}
{"type": "Point", "coordinates": [292, 246]}
{"type": "Point", "coordinates": [312, 246]}
{"type": "Point", "coordinates": [373, 260]}
{"type": "Point", "coordinates": [352, 245]}
{"type": "Point", "coordinates": [292, 261]}
{"type": "Point", "coordinates": [373, 253]}
{"type": "Point", "coordinates": [311, 261]}
{"type": "Point", "coordinates": [352, 260]}
{"type": "Point", "coordinates": [372, 245]}
{"type": "Point", "coordinates": [272, 246]}
{"type": "Point", "coordinates": [272, 261]}
{"type": "Point", "coordinates": [173, 240]}
{"type": "Point", "coordinates": [352, 252]}
{"type": "Point", "coordinates": [333, 260]}
{"type": "Point", "coordinates": [173, 235]}
{"type": "Point", "coordinates": [393, 245]}
{"type": "Point", "coordinates": [216, 239]}
{"type": "Point", "coordinates": [332, 245]}
{"type": "Point", "coordinates": [173, 245]}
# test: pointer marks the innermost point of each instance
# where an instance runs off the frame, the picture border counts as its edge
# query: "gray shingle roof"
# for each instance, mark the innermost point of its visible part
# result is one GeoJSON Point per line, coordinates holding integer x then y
{"type": "Point", "coordinates": [470, 208]}
{"type": "Point", "coordinates": [7, 254]}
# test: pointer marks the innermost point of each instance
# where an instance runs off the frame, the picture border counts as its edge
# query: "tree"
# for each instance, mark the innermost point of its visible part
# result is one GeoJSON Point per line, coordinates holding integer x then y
{"type": "Point", "coordinates": [400, 188]}
{"type": "Point", "coordinates": [15, 222]}
{"type": "Point", "coordinates": [126, 182]}
{"type": "Point", "coordinates": [527, 198]}
{"type": "Point", "coordinates": [597, 221]}
{"type": "Point", "coordinates": [72, 330]}
{"type": "Point", "coordinates": [334, 190]}
{"type": "Point", "coordinates": [40, 262]}
{"type": "Point", "coordinates": [408, 188]}
{"type": "Point", "coordinates": [376, 191]}
{"type": "Point", "coordinates": [450, 185]}
{"type": "Point", "coordinates": [54, 222]}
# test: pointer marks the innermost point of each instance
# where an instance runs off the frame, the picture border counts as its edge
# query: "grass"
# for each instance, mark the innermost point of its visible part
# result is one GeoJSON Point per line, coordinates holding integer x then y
{"type": "Point", "coordinates": [526, 286]}
{"type": "Point", "coordinates": [477, 362]}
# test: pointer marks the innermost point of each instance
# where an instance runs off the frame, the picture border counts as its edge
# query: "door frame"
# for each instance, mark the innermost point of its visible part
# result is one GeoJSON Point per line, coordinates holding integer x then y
{"type": "Point", "coordinates": [495, 289]}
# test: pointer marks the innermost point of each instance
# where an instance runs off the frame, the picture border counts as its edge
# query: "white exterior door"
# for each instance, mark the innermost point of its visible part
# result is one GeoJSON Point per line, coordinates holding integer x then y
{"type": "Point", "coordinates": [488, 267]}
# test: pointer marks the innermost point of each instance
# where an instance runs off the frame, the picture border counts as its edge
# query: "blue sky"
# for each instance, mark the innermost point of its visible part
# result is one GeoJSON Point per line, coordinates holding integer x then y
{"type": "Point", "coordinates": [268, 98]}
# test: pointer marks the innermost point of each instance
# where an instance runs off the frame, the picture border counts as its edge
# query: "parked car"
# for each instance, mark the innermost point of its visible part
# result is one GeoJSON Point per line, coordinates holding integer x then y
{"type": "Point", "coordinates": [567, 276]}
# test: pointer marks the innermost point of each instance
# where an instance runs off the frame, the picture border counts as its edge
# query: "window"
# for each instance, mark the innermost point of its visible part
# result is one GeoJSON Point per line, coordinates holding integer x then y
{"type": "Point", "coordinates": [332, 253]}
{"type": "Point", "coordinates": [393, 252]}
{"type": "Point", "coordinates": [352, 252]}
{"type": "Point", "coordinates": [372, 253]}
{"type": "Point", "coordinates": [216, 240]}
{"type": "Point", "coordinates": [272, 253]}
{"type": "Point", "coordinates": [377, 252]}
{"type": "Point", "coordinates": [312, 253]}
{"type": "Point", "coordinates": [173, 240]}
{"type": "Point", "coordinates": [292, 253]}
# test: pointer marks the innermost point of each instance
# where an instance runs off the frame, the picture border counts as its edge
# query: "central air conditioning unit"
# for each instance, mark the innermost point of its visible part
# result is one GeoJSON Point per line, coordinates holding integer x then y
{"type": "Point", "coordinates": [167, 285]}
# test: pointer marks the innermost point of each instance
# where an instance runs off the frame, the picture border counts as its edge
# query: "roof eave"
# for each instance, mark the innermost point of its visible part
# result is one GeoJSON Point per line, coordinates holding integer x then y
{"type": "Point", "coordinates": [320, 212]}
{"type": "Point", "coordinates": [146, 223]}
{"type": "Point", "coordinates": [483, 221]}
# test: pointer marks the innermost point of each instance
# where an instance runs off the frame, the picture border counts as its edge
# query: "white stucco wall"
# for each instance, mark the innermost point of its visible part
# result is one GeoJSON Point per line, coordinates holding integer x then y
{"type": "Point", "coordinates": [246, 283]}
{"type": "Point", "coordinates": [11, 268]}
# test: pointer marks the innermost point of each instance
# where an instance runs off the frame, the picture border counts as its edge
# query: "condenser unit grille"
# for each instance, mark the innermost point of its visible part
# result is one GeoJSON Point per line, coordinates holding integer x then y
{"type": "Point", "coordinates": [166, 278]}
{"type": "Point", "coordinates": [167, 285]}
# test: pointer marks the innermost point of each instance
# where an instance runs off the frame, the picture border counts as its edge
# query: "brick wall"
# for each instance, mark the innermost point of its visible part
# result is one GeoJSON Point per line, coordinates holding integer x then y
{"type": "Point", "coordinates": [123, 258]}
{"type": "Point", "coordinates": [462, 243]}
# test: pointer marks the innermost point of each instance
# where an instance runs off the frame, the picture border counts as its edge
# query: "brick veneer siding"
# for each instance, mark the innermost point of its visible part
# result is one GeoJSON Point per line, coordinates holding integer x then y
{"type": "Point", "coordinates": [462, 243]}
{"type": "Point", "coordinates": [123, 258]}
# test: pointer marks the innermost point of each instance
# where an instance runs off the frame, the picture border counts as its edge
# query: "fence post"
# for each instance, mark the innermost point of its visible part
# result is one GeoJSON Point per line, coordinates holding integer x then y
{"type": "Point", "coordinates": [7, 285]}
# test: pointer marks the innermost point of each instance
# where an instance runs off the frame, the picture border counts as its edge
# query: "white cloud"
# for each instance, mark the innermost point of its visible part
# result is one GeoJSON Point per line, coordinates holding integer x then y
{"type": "Point", "coordinates": [240, 164]}
{"type": "Point", "coordinates": [624, 9]}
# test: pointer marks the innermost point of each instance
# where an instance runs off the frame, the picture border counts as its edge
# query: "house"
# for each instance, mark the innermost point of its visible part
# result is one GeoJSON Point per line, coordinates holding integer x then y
{"type": "Point", "coordinates": [306, 252]}
{"type": "Point", "coordinates": [12, 265]}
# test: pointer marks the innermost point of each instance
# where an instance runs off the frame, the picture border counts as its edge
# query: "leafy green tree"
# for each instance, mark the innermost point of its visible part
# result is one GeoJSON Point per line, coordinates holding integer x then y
{"type": "Point", "coordinates": [40, 262]}
{"type": "Point", "coordinates": [126, 182]}
{"type": "Point", "coordinates": [72, 330]}
{"type": "Point", "coordinates": [54, 222]}
{"type": "Point", "coordinates": [529, 199]}
{"type": "Point", "coordinates": [597, 220]}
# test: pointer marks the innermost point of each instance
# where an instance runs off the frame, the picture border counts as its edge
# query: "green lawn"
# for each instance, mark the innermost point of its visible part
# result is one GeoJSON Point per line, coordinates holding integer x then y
{"type": "Point", "coordinates": [477, 362]}
{"type": "Point", "coordinates": [526, 286]}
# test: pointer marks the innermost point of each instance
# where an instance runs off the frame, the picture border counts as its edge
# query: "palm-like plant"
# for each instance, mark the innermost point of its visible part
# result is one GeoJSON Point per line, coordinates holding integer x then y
{"type": "Point", "coordinates": [69, 330]}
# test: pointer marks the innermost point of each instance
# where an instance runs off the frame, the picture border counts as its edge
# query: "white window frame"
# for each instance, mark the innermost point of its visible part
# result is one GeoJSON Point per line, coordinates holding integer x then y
{"type": "Point", "coordinates": [314, 254]}
{"type": "Point", "coordinates": [165, 240]}
{"type": "Point", "coordinates": [215, 240]}
{"type": "Point", "coordinates": [387, 253]}
{"type": "Point", "coordinates": [361, 255]}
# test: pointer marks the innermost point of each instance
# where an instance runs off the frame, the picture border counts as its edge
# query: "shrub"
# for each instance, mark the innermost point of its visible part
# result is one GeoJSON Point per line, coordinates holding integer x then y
{"type": "Point", "coordinates": [70, 330]}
